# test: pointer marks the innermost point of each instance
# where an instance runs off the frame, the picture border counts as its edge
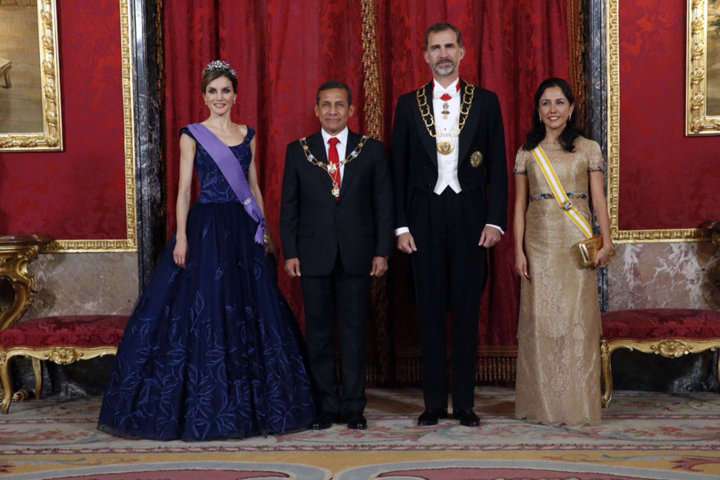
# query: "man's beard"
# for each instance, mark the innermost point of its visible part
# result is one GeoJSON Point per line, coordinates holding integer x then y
{"type": "Point", "coordinates": [445, 69]}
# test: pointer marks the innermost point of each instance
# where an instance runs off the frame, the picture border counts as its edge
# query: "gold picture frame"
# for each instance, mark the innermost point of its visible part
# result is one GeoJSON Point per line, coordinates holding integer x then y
{"type": "Point", "coordinates": [613, 147]}
{"type": "Point", "coordinates": [129, 243]}
{"type": "Point", "coordinates": [702, 78]}
{"type": "Point", "coordinates": [41, 129]}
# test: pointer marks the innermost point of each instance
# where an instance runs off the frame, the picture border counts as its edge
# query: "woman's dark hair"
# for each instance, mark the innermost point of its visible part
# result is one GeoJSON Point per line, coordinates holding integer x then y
{"type": "Point", "coordinates": [537, 133]}
{"type": "Point", "coordinates": [217, 69]}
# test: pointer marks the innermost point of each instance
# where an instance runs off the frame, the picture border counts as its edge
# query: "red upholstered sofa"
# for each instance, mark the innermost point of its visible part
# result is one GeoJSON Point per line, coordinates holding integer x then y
{"type": "Point", "coordinates": [62, 340]}
{"type": "Point", "coordinates": [671, 333]}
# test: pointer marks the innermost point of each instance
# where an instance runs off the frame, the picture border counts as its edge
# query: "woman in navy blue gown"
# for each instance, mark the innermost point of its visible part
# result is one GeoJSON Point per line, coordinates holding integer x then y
{"type": "Point", "coordinates": [212, 350]}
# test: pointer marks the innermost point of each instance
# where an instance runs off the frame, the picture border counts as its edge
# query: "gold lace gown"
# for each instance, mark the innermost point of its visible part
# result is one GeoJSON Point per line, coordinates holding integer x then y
{"type": "Point", "coordinates": [558, 365]}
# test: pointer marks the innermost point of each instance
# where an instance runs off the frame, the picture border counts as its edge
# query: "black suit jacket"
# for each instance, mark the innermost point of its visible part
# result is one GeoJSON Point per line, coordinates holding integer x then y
{"type": "Point", "coordinates": [314, 226]}
{"type": "Point", "coordinates": [415, 169]}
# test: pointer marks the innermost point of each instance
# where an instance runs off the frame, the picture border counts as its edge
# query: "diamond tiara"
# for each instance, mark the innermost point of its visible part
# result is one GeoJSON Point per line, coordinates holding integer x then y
{"type": "Point", "coordinates": [220, 65]}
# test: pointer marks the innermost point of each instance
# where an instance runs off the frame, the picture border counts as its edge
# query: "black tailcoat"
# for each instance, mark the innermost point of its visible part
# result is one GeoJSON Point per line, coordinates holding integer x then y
{"type": "Point", "coordinates": [449, 267]}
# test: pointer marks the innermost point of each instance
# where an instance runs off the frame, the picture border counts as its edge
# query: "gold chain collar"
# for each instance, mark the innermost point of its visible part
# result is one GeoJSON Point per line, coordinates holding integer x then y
{"type": "Point", "coordinates": [330, 169]}
{"type": "Point", "coordinates": [429, 120]}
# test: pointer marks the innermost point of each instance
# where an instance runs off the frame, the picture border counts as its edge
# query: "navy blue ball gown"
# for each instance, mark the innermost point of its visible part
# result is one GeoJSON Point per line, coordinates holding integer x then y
{"type": "Point", "coordinates": [211, 351]}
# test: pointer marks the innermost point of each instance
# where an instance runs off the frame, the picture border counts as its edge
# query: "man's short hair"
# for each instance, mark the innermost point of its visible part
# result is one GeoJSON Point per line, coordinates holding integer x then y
{"type": "Point", "coordinates": [441, 27]}
{"type": "Point", "coordinates": [333, 84]}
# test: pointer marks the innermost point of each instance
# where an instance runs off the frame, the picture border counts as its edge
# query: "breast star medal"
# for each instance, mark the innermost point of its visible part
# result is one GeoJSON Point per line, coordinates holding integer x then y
{"type": "Point", "coordinates": [476, 159]}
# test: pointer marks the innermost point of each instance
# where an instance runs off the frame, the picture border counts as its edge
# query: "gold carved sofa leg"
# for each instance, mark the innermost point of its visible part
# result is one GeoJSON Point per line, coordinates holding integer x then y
{"type": "Point", "coordinates": [6, 381]}
{"type": "Point", "coordinates": [607, 378]}
{"type": "Point", "coordinates": [37, 371]}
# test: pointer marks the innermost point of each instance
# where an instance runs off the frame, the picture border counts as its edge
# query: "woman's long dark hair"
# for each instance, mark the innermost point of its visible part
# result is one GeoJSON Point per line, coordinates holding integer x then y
{"type": "Point", "coordinates": [537, 133]}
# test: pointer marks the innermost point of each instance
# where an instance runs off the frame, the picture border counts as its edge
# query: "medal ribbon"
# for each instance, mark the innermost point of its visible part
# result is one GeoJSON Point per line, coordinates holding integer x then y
{"type": "Point", "coordinates": [559, 192]}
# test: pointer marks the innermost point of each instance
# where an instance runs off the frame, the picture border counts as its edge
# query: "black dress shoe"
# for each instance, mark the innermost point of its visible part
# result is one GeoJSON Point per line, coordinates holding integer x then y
{"type": "Point", "coordinates": [430, 417]}
{"type": "Point", "coordinates": [467, 418]}
{"type": "Point", "coordinates": [323, 421]}
{"type": "Point", "coordinates": [357, 422]}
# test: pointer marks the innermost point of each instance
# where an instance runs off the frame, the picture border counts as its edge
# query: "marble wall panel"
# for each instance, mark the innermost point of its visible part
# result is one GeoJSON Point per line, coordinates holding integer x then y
{"type": "Point", "coordinates": [84, 283]}
{"type": "Point", "coordinates": [664, 275]}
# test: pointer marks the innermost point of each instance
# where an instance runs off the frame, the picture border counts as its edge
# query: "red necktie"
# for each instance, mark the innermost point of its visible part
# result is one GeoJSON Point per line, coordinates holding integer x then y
{"type": "Point", "coordinates": [334, 160]}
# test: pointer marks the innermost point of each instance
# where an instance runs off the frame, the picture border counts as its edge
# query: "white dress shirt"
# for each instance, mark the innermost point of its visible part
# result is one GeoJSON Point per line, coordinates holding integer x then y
{"type": "Point", "coordinates": [341, 147]}
{"type": "Point", "coordinates": [446, 130]}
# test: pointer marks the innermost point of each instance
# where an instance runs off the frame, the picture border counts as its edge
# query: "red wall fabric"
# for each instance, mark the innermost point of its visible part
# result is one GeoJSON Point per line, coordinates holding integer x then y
{"type": "Point", "coordinates": [283, 50]}
{"type": "Point", "coordinates": [78, 193]}
{"type": "Point", "coordinates": [667, 180]}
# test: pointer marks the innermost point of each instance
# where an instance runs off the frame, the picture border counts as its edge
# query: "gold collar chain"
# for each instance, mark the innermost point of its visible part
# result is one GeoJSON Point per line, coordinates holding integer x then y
{"type": "Point", "coordinates": [330, 169]}
{"type": "Point", "coordinates": [429, 120]}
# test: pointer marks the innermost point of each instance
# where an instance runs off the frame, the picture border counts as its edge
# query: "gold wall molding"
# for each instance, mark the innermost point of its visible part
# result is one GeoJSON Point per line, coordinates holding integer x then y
{"type": "Point", "coordinates": [128, 244]}
{"type": "Point", "coordinates": [50, 138]}
{"type": "Point", "coordinates": [613, 146]}
{"type": "Point", "coordinates": [697, 120]}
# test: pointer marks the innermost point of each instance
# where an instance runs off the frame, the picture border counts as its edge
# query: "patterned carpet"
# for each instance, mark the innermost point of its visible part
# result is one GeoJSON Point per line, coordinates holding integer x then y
{"type": "Point", "coordinates": [644, 435]}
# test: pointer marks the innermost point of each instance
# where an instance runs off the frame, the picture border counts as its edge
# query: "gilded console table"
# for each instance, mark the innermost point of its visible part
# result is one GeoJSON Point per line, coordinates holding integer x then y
{"type": "Point", "coordinates": [16, 253]}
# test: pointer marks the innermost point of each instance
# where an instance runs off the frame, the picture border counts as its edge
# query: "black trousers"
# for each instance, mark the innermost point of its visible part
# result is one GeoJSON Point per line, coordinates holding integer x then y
{"type": "Point", "coordinates": [343, 299]}
{"type": "Point", "coordinates": [450, 271]}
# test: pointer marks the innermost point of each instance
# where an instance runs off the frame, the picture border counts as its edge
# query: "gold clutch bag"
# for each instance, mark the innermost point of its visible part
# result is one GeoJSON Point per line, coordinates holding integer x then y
{"type": "Point", "coordinates": [587, 250]}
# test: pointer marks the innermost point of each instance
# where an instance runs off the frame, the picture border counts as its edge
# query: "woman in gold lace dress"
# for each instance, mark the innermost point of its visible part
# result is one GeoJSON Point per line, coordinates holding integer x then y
{"type": "Point", "coordinates": [558, 367]}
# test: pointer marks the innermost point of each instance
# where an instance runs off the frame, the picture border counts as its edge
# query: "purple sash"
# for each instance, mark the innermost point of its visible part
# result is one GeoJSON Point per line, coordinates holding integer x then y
{"type": "Point", "coordinates": [231, 169]}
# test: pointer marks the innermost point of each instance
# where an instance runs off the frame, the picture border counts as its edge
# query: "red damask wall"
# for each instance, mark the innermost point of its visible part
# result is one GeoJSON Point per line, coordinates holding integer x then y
{"type": "Point", "coordinates": [78, 193]}
{"type": "Point", "coordinates": [667, 180]}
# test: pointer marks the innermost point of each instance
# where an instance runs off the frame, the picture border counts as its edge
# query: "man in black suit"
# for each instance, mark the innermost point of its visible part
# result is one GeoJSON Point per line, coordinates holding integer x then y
{"type": "Point", "coordinates": [450, 179]}
{"type": "Point", "coordinates": [336, 228]}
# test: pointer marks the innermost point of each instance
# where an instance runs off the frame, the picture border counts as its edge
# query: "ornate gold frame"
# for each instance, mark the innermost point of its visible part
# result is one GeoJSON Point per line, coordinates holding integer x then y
{"type": "Point", "coordinates": [666, 347]}
{"type": "Point", "coordinates": [613, 142]}
{"type": "Point", "coordinates": [697, 121]}
{"type": "Point", "coordinates": [128, 244]}
{"type": "Point", "coordinates": [51, 138]}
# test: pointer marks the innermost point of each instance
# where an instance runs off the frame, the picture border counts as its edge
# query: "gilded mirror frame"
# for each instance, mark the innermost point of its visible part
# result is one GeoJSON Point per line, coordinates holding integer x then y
{"type": "Point", "coordinates": [128, 244]}
{"type": "Point", "coordinates": [613, 147]}
{"type": "Point", "coordinates": [50, 138]}
{"type": "Point", "coordinates": [699, 28]}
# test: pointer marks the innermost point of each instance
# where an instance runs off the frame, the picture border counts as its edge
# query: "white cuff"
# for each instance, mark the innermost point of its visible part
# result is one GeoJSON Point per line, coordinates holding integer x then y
{"type": "Point", "coordinates": [502, 232]}
{"type": "Point", "coordinates": [401, 230]}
